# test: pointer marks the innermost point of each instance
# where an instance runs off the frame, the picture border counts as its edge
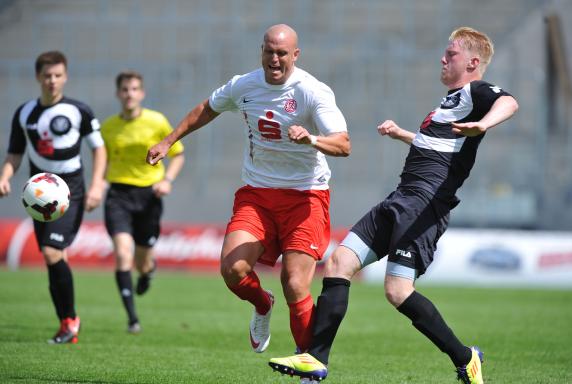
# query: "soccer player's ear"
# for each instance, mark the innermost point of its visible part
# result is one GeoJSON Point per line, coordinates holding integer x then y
{"type": "Point", "coordinates": [296, 54]}
{"type": "Point", "coordinates": [473, 63]}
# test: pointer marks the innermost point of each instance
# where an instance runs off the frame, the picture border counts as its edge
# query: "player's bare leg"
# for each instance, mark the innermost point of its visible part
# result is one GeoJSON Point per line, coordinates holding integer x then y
{"type": "Point", "coordinates": [296, 277]}
{"type": "Point", "coordinates": [240, 252]}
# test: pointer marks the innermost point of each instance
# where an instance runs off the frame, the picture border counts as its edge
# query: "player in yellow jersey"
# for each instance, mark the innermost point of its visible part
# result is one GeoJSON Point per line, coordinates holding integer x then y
{"type": "Point", "coordinates": [133, 205]}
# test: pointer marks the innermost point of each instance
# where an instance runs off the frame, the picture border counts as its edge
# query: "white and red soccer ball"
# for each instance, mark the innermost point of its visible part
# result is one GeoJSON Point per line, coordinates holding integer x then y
{"type": "Point", "coordinates": [46, 197]}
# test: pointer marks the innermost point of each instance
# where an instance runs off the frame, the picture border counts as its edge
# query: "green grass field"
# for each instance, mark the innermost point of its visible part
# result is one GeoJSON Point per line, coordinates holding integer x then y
{"type": "Point", "coordinates": [196, 331]}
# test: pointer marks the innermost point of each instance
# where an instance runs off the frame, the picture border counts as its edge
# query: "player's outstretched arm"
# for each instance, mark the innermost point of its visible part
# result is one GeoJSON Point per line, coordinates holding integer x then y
{"type": "Point", "coordinates": [391, 129]}
{"type": "Point", "coordinates": [503, 109]}
{"type": "Point", "coordinates": [200, 116]}
{"type": "Point", "coordinates": [10, 166]}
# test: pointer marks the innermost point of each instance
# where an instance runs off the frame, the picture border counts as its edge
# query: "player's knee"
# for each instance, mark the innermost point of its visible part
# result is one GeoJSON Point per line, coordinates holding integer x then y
{"type": "Point", "coordinates": [52, 255]}
{"type": "Point", "coordinates": [297, 284]}
{"type": "Point", "coordinates": [392, 296]}
{"type": "Point", "coordinates": [396, 294]}
{"type": "Point", "coordinates": [341, 264]}
{"type": "Point", "coordinates": [123, 259]}
{"type": "Point", "coordinates": [233, 271]}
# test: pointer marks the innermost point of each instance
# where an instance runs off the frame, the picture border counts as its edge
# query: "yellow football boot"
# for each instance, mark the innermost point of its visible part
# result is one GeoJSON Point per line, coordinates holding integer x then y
{"type": "Point", "coordinates": [303, 365]}
{"type": "Point", "coordinates": [472, 372]}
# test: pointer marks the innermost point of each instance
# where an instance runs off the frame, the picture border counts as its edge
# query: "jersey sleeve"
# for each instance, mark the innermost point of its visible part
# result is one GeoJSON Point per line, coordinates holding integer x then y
{"type": "Point", "coordinates": [17, 143]}
{"type": "Point", "coordinates": [90, 127]}
{"type": "Point", "coordinates": [485, 94]}
{"type": "Point", "coordinates": [326, 114]}
{"type": "Point", "coordinates": [221, 99]}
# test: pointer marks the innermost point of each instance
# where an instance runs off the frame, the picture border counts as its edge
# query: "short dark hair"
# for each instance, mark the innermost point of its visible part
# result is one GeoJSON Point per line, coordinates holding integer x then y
{"type": "Point", "coordinates": [50, 58]}
{"type": "Point", "coordinates": [127, 75]}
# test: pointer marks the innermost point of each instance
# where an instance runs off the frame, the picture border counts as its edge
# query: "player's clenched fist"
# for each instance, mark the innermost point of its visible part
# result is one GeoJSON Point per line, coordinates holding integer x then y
{"type": "Point", "coordinates": [388, 127]}
{"type": "Point", "coordinates": [157, 152]}
{"type": "Point", "coordinates": [298, 133]}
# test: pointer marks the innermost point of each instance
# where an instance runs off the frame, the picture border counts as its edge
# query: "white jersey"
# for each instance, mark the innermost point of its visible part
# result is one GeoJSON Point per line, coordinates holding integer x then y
{"type": "Point", "coordinates": [271, 160]}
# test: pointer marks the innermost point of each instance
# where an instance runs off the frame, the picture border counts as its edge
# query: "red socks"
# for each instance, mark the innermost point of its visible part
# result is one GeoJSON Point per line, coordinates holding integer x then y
{"type": "Point", "coordinates": [249, 289]}
{"type": "Point", "coordinates": [301, 313]}
{"type": "Point", "coordinates": [301, 322]}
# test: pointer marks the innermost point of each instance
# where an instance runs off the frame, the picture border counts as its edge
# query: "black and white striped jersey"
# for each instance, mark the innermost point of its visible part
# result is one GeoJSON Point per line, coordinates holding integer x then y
{"type": "Point", "coordinates": [53, 134]}
{"type": "Point", "coordinates": [439, 160]}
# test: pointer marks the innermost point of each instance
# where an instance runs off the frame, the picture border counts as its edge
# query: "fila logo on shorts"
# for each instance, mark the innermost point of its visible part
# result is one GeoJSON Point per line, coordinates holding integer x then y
{"type": "Point", "coordinates": [401, 252]}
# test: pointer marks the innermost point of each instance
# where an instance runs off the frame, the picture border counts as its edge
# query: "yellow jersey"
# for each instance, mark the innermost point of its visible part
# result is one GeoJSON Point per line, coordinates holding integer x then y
{"type": "Point", "coordinates": [127, 143]}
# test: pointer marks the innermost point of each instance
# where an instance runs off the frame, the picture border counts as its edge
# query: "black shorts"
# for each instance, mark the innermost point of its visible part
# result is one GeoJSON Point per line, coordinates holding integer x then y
{"type": "Point", "coordinates": [133, 210]}
{"type": "Point", "coordinates": [60, 233]}
{"type": "Point", "coordinates": [405, 226]}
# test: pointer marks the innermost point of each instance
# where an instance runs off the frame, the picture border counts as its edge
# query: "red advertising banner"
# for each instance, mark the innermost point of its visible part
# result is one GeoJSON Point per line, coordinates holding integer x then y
{"type": "Point", "coordinates": [184, 246]}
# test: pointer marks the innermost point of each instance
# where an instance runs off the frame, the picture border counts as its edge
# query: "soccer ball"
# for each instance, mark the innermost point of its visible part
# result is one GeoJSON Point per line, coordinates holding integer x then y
{"type": "Point", "coordinates": [46, 197]}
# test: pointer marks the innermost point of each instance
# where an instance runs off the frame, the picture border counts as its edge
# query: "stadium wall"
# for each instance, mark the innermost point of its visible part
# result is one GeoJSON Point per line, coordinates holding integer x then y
{"type": "Point", "coordinates": [464, 257]}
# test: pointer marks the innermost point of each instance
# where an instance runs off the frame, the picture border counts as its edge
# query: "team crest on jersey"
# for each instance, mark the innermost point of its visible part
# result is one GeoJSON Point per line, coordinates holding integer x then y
{"type": "Point", "coordinates": [451, 101]}
{"type": "Point", "coordinates": [290, 105]}
{"type": "Point", "coordinates": [60, 125]}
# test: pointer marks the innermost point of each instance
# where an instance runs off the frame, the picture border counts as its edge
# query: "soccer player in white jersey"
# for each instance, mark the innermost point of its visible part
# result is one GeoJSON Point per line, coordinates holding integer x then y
{"type": "Point", "coordinates": [51, 129]}
{"type": "Point", "coordinates": [291, 123]}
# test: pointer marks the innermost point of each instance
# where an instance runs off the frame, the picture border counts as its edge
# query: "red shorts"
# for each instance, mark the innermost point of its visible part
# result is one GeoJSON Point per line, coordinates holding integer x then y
{"type": "Point", "coordinates": [283, 220]}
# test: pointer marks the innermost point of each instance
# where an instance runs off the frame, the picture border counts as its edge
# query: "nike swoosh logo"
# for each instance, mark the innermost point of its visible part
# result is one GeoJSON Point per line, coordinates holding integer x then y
{"type": "Point", "coordinates": [253, 343]}
{"type": "Point", "coordinates": [245, 100]}
{"type": "Point", "coordinates": [312, 246]}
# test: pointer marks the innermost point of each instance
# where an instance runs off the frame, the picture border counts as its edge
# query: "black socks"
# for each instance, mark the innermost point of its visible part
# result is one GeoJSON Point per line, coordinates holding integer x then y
{"type": "Point", "coordinates": [427, 319]}
{"type": "Point", "coordinates": [330, 311]}
{"type": "Point", "coordinates": [61, 289]}
{"type": "Point", "coordinates": [125, 286]}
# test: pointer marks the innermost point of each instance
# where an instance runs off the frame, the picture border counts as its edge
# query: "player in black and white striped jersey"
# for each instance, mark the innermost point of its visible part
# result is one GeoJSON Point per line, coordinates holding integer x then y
{"type": "Point", "coordinates": [51, 129]}
{"type": "Point", "coordinates": [406, 226]}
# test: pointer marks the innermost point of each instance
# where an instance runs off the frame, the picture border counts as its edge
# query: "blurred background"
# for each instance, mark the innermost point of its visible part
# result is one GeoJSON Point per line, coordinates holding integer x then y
{"type": "Point", "coordinates": [381, 58]}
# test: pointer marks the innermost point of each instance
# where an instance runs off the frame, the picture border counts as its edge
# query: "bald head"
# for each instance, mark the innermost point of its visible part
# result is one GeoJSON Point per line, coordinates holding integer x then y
{"type": "Point", "coordinates": [279, 53]}
{"type": "Point", "coordinates": [283, 33]}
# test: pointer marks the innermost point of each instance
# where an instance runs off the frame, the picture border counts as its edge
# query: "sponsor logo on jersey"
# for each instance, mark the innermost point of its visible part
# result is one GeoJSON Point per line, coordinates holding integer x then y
{"type": "Point", "coordinates": [402, 253]}
{"type": "Point", "coordinates": [290, 105]}
{"type": "Point", "coordinates": [245, 100]}
{"type": "Point", "coordinates": [427, 120]}
{"type": "Point", "coordinates": [60, 125]}
{"type": "Point", "coordinates": [451, 101]}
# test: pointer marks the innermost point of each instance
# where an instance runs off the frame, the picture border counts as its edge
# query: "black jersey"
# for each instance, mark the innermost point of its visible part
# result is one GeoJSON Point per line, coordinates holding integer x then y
{"type": "Point", "coordinates": [439, 160]}
{"type": "Point", "coordinates": [54, 134]}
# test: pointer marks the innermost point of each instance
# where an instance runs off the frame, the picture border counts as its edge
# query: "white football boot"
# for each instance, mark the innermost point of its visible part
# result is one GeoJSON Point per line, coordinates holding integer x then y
{"type": "Point", "coordinates": [260, 328]}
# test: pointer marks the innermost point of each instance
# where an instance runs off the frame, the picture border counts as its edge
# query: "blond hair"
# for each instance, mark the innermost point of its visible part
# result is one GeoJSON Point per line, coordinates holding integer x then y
{"type": "Point", "coordinates": [475, 42]}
